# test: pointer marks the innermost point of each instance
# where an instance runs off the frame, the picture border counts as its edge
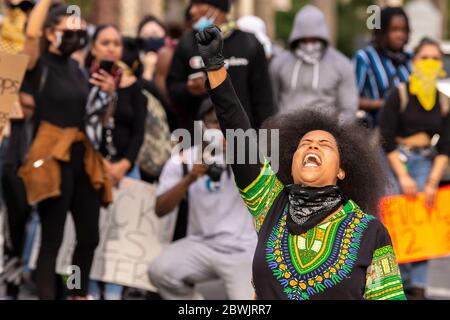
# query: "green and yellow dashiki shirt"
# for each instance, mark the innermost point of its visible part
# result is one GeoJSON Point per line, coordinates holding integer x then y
{"type": "Point", "coordinates": [350, 256]}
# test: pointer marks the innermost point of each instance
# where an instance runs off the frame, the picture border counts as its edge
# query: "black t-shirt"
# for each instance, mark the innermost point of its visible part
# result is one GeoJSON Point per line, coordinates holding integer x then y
{"type": "Point", "coordinates": [60, 89]}
{"type": "Point", "coordinates": [248, 68]}
{"type": "Point", "coordinates": [415, 119]}
{"type": "Point", "coordinates": [129, 123]}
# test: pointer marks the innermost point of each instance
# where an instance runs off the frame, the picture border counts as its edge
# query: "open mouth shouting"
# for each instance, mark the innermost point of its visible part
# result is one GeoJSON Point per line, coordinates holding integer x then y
{"type": "Point", "coordinates": [312, 160]}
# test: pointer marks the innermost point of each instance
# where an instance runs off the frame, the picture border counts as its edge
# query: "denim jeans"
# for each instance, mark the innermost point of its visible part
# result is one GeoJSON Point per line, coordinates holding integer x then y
{"type": "Point", "coordinates": [135, 173]}
{"type": "Point", "coordinates": [31, 232]}
{"type": "Point", "coordinates": [419, 165]}
{"type": "Point", "coordinates": [112, 291]}
{"type": "Point", "coordinates": [32, 225]}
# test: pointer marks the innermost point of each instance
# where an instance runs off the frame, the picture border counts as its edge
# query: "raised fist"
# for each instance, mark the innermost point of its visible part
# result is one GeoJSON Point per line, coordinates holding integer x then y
{"type": "Point", "coordinates": [210, 45]}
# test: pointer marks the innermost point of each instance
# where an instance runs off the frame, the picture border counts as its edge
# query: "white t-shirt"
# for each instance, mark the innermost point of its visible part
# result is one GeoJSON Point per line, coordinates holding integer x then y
{"type": "Point", "coordinates": [218, 216]}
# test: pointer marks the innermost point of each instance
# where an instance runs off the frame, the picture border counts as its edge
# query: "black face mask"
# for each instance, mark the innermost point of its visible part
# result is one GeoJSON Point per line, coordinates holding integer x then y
{"type": "Point", "coordinates": [308, 206]}
{"type": "Point", "coordinates": [25, 6]}
{"type": "Point", "coordinates": [152, 44]}
{"type": "Point", "coordinates": [72, 41]}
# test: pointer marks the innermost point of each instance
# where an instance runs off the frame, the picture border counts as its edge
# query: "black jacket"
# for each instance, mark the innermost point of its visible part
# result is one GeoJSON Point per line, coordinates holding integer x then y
{"type": "Point", "coordinates": [247, 66]}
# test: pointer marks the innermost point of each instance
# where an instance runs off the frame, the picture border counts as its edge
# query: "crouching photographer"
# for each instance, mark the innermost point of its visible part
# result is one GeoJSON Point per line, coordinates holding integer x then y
{"type": "Point", "coordinates": [221, 239]}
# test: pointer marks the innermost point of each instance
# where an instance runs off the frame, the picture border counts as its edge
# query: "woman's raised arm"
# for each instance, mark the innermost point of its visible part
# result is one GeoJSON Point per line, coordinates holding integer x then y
{"type": "Point", "coordinates": [234, 121]}
{"type": "Point", "coordinates": [34, 31]}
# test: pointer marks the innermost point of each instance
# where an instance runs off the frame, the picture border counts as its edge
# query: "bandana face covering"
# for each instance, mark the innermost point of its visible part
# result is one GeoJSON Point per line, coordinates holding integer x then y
{"type": "Point", "coordinates": [69, 41]}
{"type": "Point", "coordinates": [310, 52]}
{"type": "Point", "coordinates": [423, 81]}
{"type": "Point", "coordinates": [310, 206]}
{"type": "Point", "coordinates": [12, 38]}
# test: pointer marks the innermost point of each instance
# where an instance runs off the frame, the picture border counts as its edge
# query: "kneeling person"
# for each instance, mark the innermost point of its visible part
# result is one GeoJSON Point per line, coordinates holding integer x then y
{"type": "Point", "coordinates": [221, 238]}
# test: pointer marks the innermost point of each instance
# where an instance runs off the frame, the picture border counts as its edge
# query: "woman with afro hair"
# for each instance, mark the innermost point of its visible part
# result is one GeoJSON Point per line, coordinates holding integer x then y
{"type": "Point", "coordinates": [317, 240]}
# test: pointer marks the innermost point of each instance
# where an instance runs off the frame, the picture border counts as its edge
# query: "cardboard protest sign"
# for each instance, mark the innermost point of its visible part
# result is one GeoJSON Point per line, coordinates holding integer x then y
{"type": "Point", "coordinates": [131, 237]}
{"type": "Point", "coordinates": [16, 111]}
{"type": "Point", "coordinates": [12, 71]}
{"type": "Point", "coordinates": [418, 233]}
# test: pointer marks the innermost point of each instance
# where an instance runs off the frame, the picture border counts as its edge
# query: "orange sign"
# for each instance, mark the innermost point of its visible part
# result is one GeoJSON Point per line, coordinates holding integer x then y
{"type": "Point", "coordinates": [418, 233]}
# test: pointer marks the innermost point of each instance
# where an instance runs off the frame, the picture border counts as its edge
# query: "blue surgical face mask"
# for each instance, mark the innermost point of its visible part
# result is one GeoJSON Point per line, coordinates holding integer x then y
{"type": "Point", "coordinates": [203, 23]}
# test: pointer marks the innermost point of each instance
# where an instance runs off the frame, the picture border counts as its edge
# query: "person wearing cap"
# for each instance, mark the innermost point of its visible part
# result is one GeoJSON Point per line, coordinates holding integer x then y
{"type": "Point", "coordinates": [246, 63]}
{"type": "Point", "coordinates": [311, 73]}
{"type": "Point", "coordinates": [221, 239]}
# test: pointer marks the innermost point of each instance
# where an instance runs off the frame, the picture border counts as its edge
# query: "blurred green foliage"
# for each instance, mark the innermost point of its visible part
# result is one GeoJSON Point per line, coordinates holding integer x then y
{"type": "Point", "coordinates": [284, 20]}
{"type": "Point", "coordinates": [352, 25]}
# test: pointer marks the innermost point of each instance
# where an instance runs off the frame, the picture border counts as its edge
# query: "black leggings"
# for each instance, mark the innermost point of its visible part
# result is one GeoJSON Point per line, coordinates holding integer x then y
{"type": "Point", "coordinates": [80, 198]}
{"type": "Point", "coordinates": [19, 213]}
{"type": "Point", "coordinates": [18, 209]}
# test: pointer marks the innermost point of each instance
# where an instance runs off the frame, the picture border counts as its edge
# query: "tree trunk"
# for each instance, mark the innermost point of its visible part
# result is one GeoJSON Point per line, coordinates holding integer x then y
{"type": "Point", "coordinates": [442, 6]}
{"type": "Point", "coordinates": [264, 10]}
{"type": "Point", "coordinates": [105, 11]}
{"type": "Point", "coordinates": [329, 9]}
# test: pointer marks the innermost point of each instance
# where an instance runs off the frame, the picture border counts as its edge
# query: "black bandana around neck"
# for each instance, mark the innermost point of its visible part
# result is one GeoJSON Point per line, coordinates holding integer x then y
{"type": "Point", "coordinates": [310, 206]}
{"type": "Point", "coordinates": [397, 57]}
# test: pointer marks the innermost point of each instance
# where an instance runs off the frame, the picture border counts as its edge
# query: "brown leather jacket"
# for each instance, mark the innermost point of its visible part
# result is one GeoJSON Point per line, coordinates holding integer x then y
{"type": "Point", "coordinates": [41, 171]}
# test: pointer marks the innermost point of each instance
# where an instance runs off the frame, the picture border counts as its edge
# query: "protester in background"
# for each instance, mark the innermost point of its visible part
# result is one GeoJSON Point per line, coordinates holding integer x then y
{"type": "Point", "coordinates": [246, 62]}
{"type": "Point", "coordinates": [161, 118]}
{"type": "Point", "coordinates": [413, 114]}
{"type": "Point", "coordinates": [156, 51]}
{"type": "Point", "coordinates": [127, 128]}
{"type": "Point", "coordinates": [122, 137]}
{"type": "Point", "coordinates": [63, 172]}
{"type": "Point", "coordinates": [221, 240]}
{"type": "Point", "coordinates": [312, 73]}
{"type": "Point", "coordinates": [383, 64]}
{"type": "Point", "coordinates": [13, 148]}
{"type": "Point", "coordinates": [152, 33]}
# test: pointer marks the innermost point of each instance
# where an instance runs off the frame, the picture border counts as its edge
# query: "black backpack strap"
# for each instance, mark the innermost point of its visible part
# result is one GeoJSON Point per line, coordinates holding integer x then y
{"type": "Point", "coordinates": [183, 212]}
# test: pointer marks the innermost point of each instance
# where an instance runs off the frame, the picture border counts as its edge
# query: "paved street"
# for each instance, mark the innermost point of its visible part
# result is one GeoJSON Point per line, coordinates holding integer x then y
{"type": "Point", "coordinates": [439, 279]}
{"type": "Point", "coordinates": [439, 284]}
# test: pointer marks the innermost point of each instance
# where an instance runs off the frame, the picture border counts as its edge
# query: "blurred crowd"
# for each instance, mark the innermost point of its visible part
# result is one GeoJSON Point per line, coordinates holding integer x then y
{"type": "Point", "coordinates": [97, 107]}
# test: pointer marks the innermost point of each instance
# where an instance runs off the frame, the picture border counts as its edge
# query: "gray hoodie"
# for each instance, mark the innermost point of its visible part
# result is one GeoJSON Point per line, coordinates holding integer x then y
{"type": "Point", "coordinates": [328, 84]}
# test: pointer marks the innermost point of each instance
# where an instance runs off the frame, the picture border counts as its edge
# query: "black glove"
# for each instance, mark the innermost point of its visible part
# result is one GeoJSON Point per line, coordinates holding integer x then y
{"type": "Point", "coordinates": [210, 45]}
